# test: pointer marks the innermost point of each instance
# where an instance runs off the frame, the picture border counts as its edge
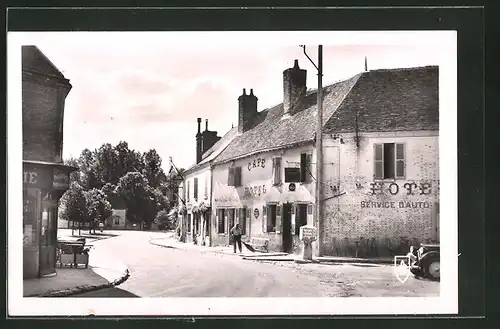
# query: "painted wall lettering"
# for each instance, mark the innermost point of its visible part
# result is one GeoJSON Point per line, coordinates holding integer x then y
{"type": "Point", "coordinates": [257, 163]}
{"type": "Point", "coordinates": [412, 188]}
{"type": "Point", "coordinates": [30, 177]}
{"type": "Point", "coordinates": [394, 204]}
{"type": "Point", "coordinates": [255, 190]}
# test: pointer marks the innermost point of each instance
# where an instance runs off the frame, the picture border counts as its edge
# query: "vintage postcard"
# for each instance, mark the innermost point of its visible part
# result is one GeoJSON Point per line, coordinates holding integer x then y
{"type": "Point", "coordinates": [232, 173]}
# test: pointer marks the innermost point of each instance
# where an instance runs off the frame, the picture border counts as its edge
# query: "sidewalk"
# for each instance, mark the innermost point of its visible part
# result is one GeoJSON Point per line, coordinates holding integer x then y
{"type": "Point", "coordinates": [171, 242]}
{"type": "Point", "coordinates": [103, 272]}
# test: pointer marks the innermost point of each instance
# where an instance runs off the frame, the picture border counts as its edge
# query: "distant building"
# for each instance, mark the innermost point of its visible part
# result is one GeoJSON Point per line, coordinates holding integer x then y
{"type": "Point", "coordinates": [45, 177]}
{"type": "Point", "coordinates": [381, 175]}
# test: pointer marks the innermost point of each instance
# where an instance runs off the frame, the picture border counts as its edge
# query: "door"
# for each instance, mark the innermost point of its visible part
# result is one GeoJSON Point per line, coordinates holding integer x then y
{"type": "Point", "coordinates": [300, 217]}
{"type": "Point", "coordinates": [287, 228]}
{"type": "Point", "coordinates": [230, 223]}
{"type": "Point", "coordinates": [48, 237]}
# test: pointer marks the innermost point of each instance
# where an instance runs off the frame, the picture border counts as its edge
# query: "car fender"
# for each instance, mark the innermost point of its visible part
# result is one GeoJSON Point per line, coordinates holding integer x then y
{"type": "Point", "coordinates": [429, 256]}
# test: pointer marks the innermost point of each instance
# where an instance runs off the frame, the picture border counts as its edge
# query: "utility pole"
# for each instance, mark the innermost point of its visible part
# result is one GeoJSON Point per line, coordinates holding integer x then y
{"type": "Point", "coordinates": [319, 148]}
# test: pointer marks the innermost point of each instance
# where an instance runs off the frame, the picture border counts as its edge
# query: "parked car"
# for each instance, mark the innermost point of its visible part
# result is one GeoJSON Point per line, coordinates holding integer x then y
{"type": "Point", "coordinates": [425, 261]}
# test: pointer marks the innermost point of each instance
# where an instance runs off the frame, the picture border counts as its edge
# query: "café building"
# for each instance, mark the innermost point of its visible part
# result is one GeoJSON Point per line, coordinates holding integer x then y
{"type": "Point", "coordinates": [45, 177]}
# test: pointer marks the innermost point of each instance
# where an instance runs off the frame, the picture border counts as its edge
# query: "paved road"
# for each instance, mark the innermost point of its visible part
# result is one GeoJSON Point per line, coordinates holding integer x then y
{"type": "Point", "coordinates": [164, 272]}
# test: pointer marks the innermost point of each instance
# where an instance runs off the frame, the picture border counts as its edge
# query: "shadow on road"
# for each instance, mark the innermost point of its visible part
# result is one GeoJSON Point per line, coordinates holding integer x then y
{"type": "Point", "coordinates": [108, 292]}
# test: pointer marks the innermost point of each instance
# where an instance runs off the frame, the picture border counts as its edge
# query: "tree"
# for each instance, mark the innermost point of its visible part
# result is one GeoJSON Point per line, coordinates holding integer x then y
{"type": "Point", "coordinates": [75, 175]}
{"type": "Point", "coordinates": [152, 168]}
{"type": "Point", "coordinates": [165, 220]}
{"type": "Point", "coordinates": [98, 208]}
{"type": "Point", "coordinates": [134, 189]}
{"type": "Point", "coordinates": [88, 170]}
{"type": "Point", "coordinates": [73, 206]}
{"type": "Point", "coordinates": [107, 164]}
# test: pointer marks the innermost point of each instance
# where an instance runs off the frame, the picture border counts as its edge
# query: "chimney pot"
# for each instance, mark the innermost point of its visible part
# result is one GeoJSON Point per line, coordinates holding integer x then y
{"type": "Point", "coordinates": [247, 110]}
{"type": "Point", "coordinates": [296, 64]}
{"type": "Point", "coordinates": [244, 91]}
{"type": "Point", "coordinates": [251, 92]}
{"type": "Point", "coordinates": [206, 124]}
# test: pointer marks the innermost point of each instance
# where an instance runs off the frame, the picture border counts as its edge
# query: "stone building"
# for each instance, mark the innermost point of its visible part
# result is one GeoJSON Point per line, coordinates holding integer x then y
{"type": "Point", "coordinates": [380, 133]}
{"type": "Point", "coordinates": [45, 177]}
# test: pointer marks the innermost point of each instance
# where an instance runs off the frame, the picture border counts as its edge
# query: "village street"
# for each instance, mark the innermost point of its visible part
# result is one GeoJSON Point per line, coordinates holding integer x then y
{"type": "Point", "coordinates": [166, 272]}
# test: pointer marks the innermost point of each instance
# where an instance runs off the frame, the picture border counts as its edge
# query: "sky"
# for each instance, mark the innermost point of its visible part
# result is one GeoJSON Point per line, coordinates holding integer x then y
{"type": "Point", "coordinates": [148, 88]}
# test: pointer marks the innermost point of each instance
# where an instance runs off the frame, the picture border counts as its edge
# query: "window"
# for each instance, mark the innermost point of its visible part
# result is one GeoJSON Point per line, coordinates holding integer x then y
{"type": "Point", "coordinates": [195, 188]}
{"type": "Point", "coordinates": [196, 223]}
{"type": "Point", "coordinates": [221, 227]}
{"type": "Point", "coordinates": [188, 192]}
{"type": "Point", "coordinates": [234, 176]}
{"type": "Point", "coordinates": [276, 171]}
{"type": "Point", "coordinates": [243, 220]}
{"type": "Point", "coordinates": [305, 167]}
{"type": "Point", "coordinates": [300, 217]}
{"type": "Point", "coordinates": [206, 186]}
{"type": "Point", "coordinates": [389, 161]}
{"type": "Point", "coordinates": [271, 218]}
{"type": "Point", "coordinates": [188, 223]}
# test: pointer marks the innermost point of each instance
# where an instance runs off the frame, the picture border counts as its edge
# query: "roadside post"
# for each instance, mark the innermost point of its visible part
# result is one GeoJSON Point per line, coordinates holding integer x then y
{"type": "Point", "coordinates": [307, 235]}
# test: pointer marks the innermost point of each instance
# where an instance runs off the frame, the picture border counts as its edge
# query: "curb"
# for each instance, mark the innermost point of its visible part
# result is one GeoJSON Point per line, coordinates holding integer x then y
{"type": "Point", "coordinates": [84, 288]}
{"type": "Point", "coordinates": [264, 258]}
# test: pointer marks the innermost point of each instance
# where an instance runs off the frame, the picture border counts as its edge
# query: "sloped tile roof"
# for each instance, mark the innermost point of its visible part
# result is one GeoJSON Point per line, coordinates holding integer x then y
{"type": "Point", "coordinates": [34, 60]}
{"type": "Point", "coordinates": [215, 150]}
{"type": "Point", "coordinates": [390, 100]}
{"type": "Point", "coordinates": [270, 131]}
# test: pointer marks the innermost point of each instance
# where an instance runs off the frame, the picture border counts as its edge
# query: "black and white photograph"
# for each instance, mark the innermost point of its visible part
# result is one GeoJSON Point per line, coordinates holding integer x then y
{"type": "Point", "coordinates": [232, 173]}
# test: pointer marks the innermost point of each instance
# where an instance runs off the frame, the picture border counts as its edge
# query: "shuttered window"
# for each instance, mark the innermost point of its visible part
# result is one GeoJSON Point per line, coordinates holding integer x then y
{"type": "Point", "coordinates": [378, 161]}
{"type": "Point", "coordinates": [195, 188]}
{"type": "Point", "coordinates": [237, 176]}
{"type": "Point", "coordinates": [308, 167]}
{"type": "Point", "coordinates": [264, 219]}
{"type": "Point", "coordinates": [234, 176]}
{"type": "Point", "coordinates": [276, 171]}
{"type": "Point", "coordinates": [188, 190]}
{"type": "Point", "coordinates": [400, 161]}
{"type": "Point", "coordinates": [389, 161]}
{"type": "Point", "coordinates": [230, 177]}
{"type": "Point", "coordinates": [303, 167]}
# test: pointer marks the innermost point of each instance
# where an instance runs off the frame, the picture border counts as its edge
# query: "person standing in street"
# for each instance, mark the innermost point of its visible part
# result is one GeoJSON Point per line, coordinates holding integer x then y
{"type": "Point", "coordinates": [236, 234]}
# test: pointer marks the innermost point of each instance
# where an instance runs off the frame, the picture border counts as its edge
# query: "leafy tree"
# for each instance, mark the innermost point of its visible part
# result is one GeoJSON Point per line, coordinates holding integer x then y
{"type": "Point", "coordinates": [134, 189]}
{"type": "Point", "coordinates": [75, 175]}
{"type": "Point", "coordinates": [73, 206]}
{"type": "Point", "coordinates": [107, 163]}
{"type": "Point", "coordinates": [88, 170]}
{"type": "Point", "coordinates": [152, 168]}
{"type": "Point", "coordinates": [165, 220]}
{"type": "Point", "coordinates": [98, 208]}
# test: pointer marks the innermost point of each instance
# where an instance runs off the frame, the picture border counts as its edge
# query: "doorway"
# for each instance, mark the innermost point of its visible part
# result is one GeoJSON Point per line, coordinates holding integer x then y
{"type": "Point", "coordinates": [287, 228]}
{"type": "Point", "coordinates": [300, 217]}
{"type": "Point", "coordinates": [48, 237]}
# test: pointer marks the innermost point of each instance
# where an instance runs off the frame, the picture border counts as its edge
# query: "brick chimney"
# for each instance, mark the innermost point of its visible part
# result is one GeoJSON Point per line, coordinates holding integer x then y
{"type": "Point", "coordinates": [209, 138]}
{"type": "Point", "coordinates": [199, 141]}
{"type": "Point", "coordinates": [247, 110]}
{"type": "Point", "coordinates": [294, 88]}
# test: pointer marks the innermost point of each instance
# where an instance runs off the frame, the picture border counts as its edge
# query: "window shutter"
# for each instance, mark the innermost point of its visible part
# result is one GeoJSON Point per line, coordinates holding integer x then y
{"type": "Point", "coordinates": [400, 161]}
{"type": "Point", "coordinates": [378, 161]}
{"type": "Point", "coordinates": [230, 177]}
{"type": "Point", "coordinates": [264, 219]}
{"type": "Point", "coordinates": [237, 173]}
{"type": "Point", "coordinates": [277, 171]}
{"type": "Point", "coordinates": [195, 188]}
{"type": "Point", "coordinates": [303, 166]}
{"type": "Point", "coordinates": [309, 167]}
{"type": "Point", "coordinates": [278, 218]}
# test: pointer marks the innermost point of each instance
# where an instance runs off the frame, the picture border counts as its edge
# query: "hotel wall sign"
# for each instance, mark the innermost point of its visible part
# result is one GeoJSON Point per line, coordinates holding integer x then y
{"type": "Point", "coordinates": [257, 163]}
